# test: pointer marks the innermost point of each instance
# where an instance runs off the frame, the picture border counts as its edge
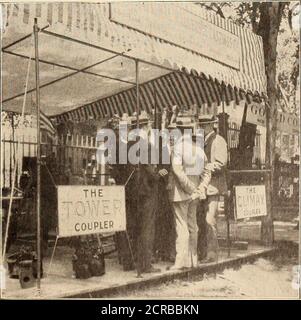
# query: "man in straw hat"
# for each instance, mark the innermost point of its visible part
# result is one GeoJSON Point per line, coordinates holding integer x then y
{"type": "Point", "coordinates": [187, 182]}
{"type": "Point", "coordinates": [215, 148]}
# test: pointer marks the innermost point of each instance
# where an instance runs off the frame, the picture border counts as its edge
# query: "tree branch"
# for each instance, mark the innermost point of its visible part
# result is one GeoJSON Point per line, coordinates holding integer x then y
{"type": "Point", "coordinates": [254, 11]}
{"type": "Point", "coordinates": [213, 7]}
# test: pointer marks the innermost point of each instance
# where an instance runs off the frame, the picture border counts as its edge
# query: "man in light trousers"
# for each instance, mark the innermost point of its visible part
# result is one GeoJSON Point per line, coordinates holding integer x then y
{"type": "Point", "coordinates": [187, 184]}
{"type": "Point", "coordinates": [215, 148]}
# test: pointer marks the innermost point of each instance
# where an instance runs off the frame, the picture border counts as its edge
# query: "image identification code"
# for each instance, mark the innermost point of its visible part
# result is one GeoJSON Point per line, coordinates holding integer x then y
{"type": "Point", "coordinates": [156, 309]}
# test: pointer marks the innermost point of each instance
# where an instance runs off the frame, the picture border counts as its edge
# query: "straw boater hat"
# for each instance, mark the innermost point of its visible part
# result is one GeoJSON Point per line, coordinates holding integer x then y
{"type": "Point", "coordinates": [125, 120]}
{"type": "Point", "coordinates": [207, 119]}
{"type": "Point", "coordinates": [113, 121]}
{"type": "Point", "coordinates": [143, 119]}
{"type": "Point", "coordinates": [184, 121]}
{"type": "Point", "coordinates": [172, 125]}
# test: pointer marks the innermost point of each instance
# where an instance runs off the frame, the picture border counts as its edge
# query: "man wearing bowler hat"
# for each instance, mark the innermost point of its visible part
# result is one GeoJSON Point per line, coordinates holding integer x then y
{"type": "Point", "coordinates": [146, 189]}
{"type": "Point", "coordinates": [215, 148]}
{"type": "Point", "coordinates": [123, 174]}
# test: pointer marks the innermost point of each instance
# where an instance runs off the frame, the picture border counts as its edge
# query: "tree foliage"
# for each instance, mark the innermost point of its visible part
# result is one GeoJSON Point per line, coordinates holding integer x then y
{"type": "Point", "coordinates": [254, 15]}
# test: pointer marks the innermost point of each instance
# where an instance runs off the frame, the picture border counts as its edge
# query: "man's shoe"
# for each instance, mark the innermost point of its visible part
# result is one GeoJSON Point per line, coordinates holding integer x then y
{"type": "Point", "coordinates": [185, 268]}
{"type": "Point", "coordinates": [127, 267]}
{"type": "Point", "coordinates": [152, 270]}
{"type": "Point", "coordinates": [208, 260]}
{"type": "Point", "coordinates": [174, 268]}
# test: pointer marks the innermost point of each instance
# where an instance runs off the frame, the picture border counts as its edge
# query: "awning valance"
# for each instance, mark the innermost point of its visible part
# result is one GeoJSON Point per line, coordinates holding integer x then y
{"type": "Point", "coordinates": [96, 70]}
{"type": "Point", "coordinates": [172, 89]}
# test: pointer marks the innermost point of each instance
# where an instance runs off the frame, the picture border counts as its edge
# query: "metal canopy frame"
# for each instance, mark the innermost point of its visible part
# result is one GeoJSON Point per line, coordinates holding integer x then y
{"type": "Point", "coordinates": [85, 69]}
{"type": "Point", "coordinates": [36, 31]}
{"type": "Point", "coordinates": [76, 71]}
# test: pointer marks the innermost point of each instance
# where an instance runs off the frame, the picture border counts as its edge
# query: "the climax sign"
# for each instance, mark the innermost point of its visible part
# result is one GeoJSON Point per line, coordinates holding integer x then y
{"type": "Point", "coordinates": [86, 210]}
{"type": "Point", "coordinates": [250, 201]}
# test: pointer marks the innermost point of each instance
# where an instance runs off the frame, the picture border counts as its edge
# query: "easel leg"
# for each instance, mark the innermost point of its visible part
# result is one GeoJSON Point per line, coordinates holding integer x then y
{"type": "Point", "coordinates": [132, 255]}
{"type": "Point", "coordinates": [228, 238]}
{"type": "Point", "coordinates": [52, 255]}
{"type": "Point", "coordinates": [226, 208]}
{"type": "Point", "coordinates": [98, 240]}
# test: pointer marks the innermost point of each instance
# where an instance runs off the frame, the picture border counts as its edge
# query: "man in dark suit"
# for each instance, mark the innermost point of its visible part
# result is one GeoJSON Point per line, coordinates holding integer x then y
{"type": "Point", "coordinates": [141, 199]}
{"type": "Point", "coordinates": [215, 148]}
{"type": "Point", "coordinates": [147, 191]}
{"type": "Point", "coordinates": [124, 174]}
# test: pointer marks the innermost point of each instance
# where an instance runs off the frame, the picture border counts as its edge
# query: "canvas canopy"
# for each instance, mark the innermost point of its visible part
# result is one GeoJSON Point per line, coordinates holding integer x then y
{"type": "Point", "coordinates": [78, 80]}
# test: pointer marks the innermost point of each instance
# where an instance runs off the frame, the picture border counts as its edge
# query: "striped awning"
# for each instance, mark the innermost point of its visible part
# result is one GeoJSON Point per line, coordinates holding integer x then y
{"type": "Point", "coordinates": [174, 88]}
{"type": "Point", "coordinates": [81, 96]}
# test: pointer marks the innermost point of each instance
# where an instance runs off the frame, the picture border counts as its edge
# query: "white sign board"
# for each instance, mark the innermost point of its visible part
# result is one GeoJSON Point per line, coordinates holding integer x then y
{"type": "Point", "coordinates": [174, 24]}
{"type": "Point", "coordinates": [86, 210]}
{"type": "Point", "coordinates": [250, 201]}
{"type": "Point", "coordinates": [286, 122]}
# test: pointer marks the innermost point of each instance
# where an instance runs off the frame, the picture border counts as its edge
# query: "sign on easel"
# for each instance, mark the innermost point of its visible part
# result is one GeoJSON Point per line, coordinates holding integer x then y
{"type": "Point", "coordinates": [250, 201]}
{"type": "Point", "coordinates": [86, 210]}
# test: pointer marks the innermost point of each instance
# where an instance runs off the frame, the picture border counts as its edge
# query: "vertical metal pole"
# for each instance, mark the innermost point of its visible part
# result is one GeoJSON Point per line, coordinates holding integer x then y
{"type": "Point", "coordinates": [156, 124]}
{"type": "Point", "coordinates": [37, 71]}
{"type": "Point", "coordinates": [138, 126]}
{"type": "Point", "coordinates": [137, 92]}
{"type": "Point", "coordinates": [224, 118]}
{"type": "Point", "coordinates": [226, 202]}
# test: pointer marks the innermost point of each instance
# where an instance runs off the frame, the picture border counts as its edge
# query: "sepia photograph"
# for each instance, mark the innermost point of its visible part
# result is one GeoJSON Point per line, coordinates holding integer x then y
{"type": "Point", "coordinates": [150, 150]}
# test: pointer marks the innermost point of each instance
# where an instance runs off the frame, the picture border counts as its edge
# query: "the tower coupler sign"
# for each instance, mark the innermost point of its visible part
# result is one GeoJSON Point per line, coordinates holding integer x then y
{"type": "Point", "coordinates": [90, 209]}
